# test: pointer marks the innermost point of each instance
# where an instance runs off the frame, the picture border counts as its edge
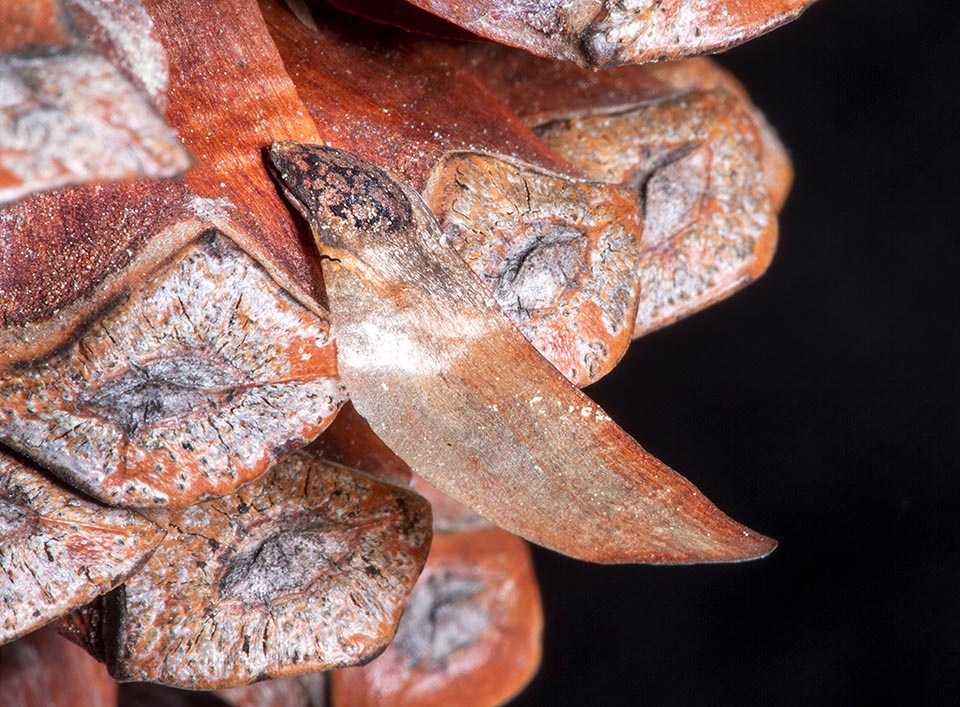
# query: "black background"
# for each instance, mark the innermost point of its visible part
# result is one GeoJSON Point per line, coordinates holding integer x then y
{"type": "Point", "coordinates": [819, 406]}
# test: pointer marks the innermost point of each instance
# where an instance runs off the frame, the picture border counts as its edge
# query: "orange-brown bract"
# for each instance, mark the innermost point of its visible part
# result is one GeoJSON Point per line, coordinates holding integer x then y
{"type": "Point", "coordinates": [307, 568]}
{"type": "Point", "coordinates": [203, 376]}
{"type": "Point", "coordinates": [470, 635]}
{"type": "Point", "coordinates": [603, 33]}
{"type": "Point", "coordinates": [451, 386]}
{"type": "Point", "coordinates": [58, 550]}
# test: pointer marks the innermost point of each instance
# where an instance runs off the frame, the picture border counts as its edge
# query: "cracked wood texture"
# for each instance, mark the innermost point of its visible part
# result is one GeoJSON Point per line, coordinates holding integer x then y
{"type": "Point", "coordinates": [470, 635]}
{"type": "Point", "coordinates": [58, 550]}
{"type": "Point", "coordinates": [305, 569]}
{"type": "Point", "coordinates": [194, 384]}
{"type": "Point", "coordinates": [498, 428]}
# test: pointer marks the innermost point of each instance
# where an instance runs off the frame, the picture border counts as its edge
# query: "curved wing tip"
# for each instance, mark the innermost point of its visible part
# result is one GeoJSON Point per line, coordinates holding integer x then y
{"type": "Point", "coordinates": [749, 546]}
{"type": "Point", "coordinates": [762, 546]}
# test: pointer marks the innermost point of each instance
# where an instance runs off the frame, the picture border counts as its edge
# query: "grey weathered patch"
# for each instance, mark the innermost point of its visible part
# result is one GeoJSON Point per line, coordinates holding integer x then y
{"type": "Point", "coordinates": [541, 267]}
{"type": "Point", "coordinates": [673, 193]}
{"type": "Point", "coordinates": [205, 374]}
{"type": "Point", "coordinates": [442, 617]}
{"type": "Point", "coordinates": [287, 561]}
{"type": "Point", "coordinates": [58, 550]}
{"type": "Point", "coordinates": [162, 389]}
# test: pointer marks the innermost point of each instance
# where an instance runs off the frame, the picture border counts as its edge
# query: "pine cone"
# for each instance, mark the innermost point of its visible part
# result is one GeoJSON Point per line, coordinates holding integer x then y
{"type": "Point", "coordinates": [295, 306]}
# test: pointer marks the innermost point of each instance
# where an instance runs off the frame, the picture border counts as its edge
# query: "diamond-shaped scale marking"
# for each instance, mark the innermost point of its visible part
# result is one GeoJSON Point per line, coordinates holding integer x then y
{"type": "Point", "coordinates": [695, 161]}
{"type": "Point", "coordinates": [470, 635]}
{"type": "Point", "coordinates": [58, 550]}
{"type": "Point", "coordinates": [72, 118]}
{"type": "Point", "coordinates": [604, 33]}
{"type": "Point", "coordinates": [306, 569]}
{"type": "Point", "coordinates": [189, 387]}
{"type": "Point", "coordinates": [558, 254]}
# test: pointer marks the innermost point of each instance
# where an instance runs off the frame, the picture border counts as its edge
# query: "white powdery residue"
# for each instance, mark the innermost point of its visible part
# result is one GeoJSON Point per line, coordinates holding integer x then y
{"type": "Point", "coordinates": [211, 210]}
{"type": "Point", "coordinates": [381, 346]}
{"type": "Point", "coordinates": [130, 29]}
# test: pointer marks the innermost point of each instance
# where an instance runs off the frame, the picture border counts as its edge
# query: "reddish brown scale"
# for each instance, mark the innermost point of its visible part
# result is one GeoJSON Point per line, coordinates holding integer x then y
{"type": "Point", "coordinates": [305, 569]}
{"type": "Point", "coordinates": [470, 635]}
{"type": "Point", "coordinates": [695, 159]}
{"type": "Point", "coordinates": [706, 75]}
{"type": "Point", "coordinates": [72, 252]}
{"type": "Point", "coordinates": [559, 255]}
{"type": "Point", "coordinates": [58, 550]}
{"type": "Point", "coordinates": [604, 33]}
{"type": "Point", "coordinates": [194, 384]}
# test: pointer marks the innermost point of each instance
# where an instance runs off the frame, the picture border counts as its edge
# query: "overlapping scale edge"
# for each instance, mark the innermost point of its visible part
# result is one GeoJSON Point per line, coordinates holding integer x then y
{"type": "Point", "coordinates": [203, 376]}
{"type": "Point", "coordinates": [306, 569]}
{"type": "Point", "coordinates": [614, 32]}
{"type": "Point", "coordinates": [68, 115]}
{"type": "Point", "coordinates": [58, 550]}
{"type": "Point", "coordinates": [470, 636]}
